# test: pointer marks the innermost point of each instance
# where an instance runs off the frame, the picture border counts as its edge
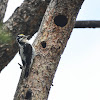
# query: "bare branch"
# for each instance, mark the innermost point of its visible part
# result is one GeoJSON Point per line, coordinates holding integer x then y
{"type": "Point", "coordinates": [87, 24]}
{"type": "Point", "coordinates": [3, 6]}
{"type": "Point", "coordinates": [54, 32]}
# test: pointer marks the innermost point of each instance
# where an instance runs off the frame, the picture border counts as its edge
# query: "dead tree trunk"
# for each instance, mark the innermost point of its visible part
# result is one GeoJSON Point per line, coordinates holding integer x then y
{"type": "Point", "coordinates": [54, 32]}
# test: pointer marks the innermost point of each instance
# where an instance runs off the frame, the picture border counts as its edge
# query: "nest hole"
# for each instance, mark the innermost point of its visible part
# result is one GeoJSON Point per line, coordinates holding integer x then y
{"type": "Point", "coordinates": [60, 20]}
{"type": "Point", "coordinates": [43, 43]}
{"type": "Point", "coordinates": [28, 94]}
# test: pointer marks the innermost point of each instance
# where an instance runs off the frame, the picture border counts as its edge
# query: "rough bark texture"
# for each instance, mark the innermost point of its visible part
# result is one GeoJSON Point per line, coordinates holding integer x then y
{"type": "Point", "coordinates": [26, 19]}
{"type": "Point", "coordinates": [3, 6]}
{"type": "Point", "coordinates": [87, 24]}
{"type": "Point", "coordinates": [53, 35]}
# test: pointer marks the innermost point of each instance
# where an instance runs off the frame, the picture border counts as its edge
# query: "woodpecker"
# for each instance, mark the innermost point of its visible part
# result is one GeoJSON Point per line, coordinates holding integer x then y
{"type": "Point", "coordinates": [26, 51]}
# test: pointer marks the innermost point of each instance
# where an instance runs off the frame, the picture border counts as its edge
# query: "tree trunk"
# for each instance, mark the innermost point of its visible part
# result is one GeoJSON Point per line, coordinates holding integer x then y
{"type": "Point", "coordinates": [26, 19]}
{"type": "Point", "coordinates": [54, 32]}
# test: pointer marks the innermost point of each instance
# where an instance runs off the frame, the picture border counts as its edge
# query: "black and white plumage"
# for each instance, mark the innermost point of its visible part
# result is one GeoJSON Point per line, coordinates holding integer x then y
{"type": "Point", "coordinates": [26, 51]}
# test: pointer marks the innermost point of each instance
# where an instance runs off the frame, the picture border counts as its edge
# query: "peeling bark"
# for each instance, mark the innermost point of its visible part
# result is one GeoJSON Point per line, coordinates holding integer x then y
{"type": "Point", "coordinates": [3, 6]}
{"type": "Point", "coordinates": [26, 19]}
{"type": "Point", "coordinates": [54, 32]}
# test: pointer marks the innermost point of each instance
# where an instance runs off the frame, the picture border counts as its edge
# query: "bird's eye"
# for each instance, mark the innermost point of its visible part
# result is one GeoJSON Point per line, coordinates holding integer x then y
{"type": "Point", "coordinates": [20, 36]}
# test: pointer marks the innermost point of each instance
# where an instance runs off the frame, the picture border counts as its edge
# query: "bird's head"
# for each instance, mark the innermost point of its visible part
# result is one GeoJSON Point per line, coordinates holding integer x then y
{"type": "Point", "coordinates": [22, 38]}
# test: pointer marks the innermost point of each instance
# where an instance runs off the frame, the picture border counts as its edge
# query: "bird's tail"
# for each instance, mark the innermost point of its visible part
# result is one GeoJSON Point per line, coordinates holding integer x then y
{"type": "Point", "coordinates": [27, 71]}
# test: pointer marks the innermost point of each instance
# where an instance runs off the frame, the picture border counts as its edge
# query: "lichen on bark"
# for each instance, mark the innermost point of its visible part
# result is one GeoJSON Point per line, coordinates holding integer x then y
{"type": "Point", "coordinates": [5, 36]}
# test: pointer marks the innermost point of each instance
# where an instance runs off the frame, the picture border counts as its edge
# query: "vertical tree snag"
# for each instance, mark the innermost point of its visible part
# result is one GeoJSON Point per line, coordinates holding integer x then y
{"type": "Point", "coordinates": [54, 32]}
